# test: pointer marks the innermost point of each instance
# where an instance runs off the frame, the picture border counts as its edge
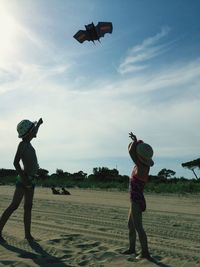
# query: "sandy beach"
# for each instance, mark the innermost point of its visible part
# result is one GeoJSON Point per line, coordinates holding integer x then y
{"type": "Point", "coordinates": [89, 228]}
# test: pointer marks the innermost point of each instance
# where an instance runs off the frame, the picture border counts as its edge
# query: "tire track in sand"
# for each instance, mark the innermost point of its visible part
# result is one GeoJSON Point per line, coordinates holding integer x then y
{"type": "Point", "coordinates": [164, 239]}
{"type": "Point", "coordinates": [90, 230]}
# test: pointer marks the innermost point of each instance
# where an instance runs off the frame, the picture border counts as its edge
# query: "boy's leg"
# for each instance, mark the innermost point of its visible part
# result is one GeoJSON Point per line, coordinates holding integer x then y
{"type": "Point", "coordinates": [18, 195]}
{"type": "Point", "coordinates": [28, 203]}
{"type": "Point", "coordinates": [137, 218]}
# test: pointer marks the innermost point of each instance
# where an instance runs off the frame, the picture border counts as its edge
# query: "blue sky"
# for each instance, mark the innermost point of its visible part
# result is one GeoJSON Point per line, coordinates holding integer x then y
{"type": "Point", "coordinates": [144, 77]}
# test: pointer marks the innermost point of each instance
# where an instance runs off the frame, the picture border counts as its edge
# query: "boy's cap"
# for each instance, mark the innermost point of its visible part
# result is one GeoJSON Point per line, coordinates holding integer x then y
{"type": "Point", "coordinates": [145, 152]}
{"type": "Point", "coordinates": [24, 127]}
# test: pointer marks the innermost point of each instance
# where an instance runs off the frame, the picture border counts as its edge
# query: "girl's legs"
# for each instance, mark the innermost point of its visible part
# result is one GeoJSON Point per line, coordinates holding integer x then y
{"type": "Point", "coordinates": [132, 234]}
{"type": "Point", "coordinates": [18, 195]}
{"type": "Point", "coordinates": [28, 203]}
{"type": "Point", "coordinates": [137, 220]}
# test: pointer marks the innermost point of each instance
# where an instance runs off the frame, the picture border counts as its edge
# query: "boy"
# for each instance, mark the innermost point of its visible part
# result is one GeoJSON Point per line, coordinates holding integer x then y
{"type": "Point", "coordinates": [27, 130]}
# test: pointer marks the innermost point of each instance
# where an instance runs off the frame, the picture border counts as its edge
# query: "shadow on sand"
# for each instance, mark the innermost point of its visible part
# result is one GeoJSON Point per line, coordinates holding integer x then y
{"type": "Point", "coordinates": [156, 261]}
{"type": "Point", "coordinates": [41, 258]}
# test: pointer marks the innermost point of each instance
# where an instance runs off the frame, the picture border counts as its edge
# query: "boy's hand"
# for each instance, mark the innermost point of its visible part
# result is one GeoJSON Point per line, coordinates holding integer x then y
{"type": "Point", "coordinates": [27, 184]}
{"type": "Point", "coordinates": [132, 136]}
{"type": "Point", "coordinates": [25, 180]}
{"type": "Point", "coordinates": [40, 121]}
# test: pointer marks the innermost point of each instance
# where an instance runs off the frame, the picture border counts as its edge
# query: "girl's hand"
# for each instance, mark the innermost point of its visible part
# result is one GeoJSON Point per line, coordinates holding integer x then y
{"type": "Point", "coordinates": [132, 136]}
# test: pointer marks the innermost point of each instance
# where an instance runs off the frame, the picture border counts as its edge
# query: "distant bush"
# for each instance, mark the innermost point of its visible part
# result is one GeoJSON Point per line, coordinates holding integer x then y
{"type": "Point", "coordinates": [175, 186]}
{"type": "Point", "coordinates": [103, 178]}
{"type": "Point", "coordinates": [7, 172]}
{"type": "Point", "coordinates": [8, 180]}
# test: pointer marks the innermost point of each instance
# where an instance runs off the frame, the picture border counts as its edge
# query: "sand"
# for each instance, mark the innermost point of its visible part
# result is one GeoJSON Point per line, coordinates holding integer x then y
{"type": "Point", "coordinates": [89, 228]}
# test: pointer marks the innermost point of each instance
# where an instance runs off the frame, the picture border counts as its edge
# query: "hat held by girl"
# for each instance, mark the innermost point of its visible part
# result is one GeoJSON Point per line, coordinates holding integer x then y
{"type": "Point", "coordinates": [145, 153]}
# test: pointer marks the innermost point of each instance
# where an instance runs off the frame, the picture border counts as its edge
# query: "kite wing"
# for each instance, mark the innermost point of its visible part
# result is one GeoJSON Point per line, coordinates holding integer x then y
{"type": "Point", "coordinates": [82, 36]}
{"type": "Point", "coordinates": [104, 27]}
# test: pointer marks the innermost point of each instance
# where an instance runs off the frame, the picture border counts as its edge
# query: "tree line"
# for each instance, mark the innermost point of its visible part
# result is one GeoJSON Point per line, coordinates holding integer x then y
{"type": "Point", "coordinates": [106, 175]}
{"type": "Point", "coordinates": [102, 174]}
{"type": "Point", "coordinates": [104, 178]}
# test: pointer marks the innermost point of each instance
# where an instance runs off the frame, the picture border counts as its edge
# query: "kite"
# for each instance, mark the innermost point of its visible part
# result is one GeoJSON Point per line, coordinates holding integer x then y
{"type": "Point", "coordinates": [93, 33]}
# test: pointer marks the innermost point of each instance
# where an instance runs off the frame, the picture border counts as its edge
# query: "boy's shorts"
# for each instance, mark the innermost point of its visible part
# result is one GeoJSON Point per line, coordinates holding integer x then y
{"type": "Point", "coordinates": [20, 184]}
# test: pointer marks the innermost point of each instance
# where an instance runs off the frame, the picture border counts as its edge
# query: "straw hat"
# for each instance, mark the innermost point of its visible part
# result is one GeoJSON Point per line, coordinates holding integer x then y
{"type": "Point", "coordinates": [25, 127]}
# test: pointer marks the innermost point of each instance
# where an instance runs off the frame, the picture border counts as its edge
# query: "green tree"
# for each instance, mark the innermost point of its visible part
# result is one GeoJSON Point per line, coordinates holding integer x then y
{"type": "Point", "coordinates": [105, 174]}
{"type": "Point", "coordinates": [79, 176]}
{"type": "Point", "coordinates": [59, 172]}
{"type": "Point", "coordinates": [42, 173]}
{"type": "Point", "coordinates": [191, 165]}
{"type": "Point", "coordinates": [166, 173]}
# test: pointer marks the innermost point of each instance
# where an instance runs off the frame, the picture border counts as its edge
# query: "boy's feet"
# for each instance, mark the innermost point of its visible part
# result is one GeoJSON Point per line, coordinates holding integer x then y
{"type": "Point", "coordinates": [128, 252]}
{"type": "Point", "coordinates": [29, 238]}
{"type": "Point", "coordinates": [2, 240]}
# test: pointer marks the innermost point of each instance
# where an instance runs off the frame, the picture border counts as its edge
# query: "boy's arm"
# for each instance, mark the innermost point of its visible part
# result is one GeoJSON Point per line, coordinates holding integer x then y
{"type": "Point", "coordinates": [18, 166]}
{"type": "Point", "coordinates": [38, 124]}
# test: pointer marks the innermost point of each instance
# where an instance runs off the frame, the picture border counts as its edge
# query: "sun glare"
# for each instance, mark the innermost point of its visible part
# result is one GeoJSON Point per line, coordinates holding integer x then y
{"type": "Point", "coordinates": [8, 31]}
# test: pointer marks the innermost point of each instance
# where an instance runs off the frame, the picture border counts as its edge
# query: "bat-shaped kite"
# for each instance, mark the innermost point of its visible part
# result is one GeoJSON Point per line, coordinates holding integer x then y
{"type": "Point", "coordinates": [93, 33]}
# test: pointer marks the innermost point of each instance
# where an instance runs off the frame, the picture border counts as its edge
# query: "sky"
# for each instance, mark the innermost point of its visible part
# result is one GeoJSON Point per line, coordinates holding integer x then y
{"type": "Point", "coordinates": [144, 78]}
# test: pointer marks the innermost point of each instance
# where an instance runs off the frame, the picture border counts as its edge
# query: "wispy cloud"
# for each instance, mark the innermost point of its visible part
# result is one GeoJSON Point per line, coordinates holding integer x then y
{"type": "Point", "coordinates": [138, 55]}
{"type": "Point", "coordinates": [92, 121]}
{"type": "Point", "coordinates": [23, 75]}
{"type": "Point", "coordinates": [108, 111]}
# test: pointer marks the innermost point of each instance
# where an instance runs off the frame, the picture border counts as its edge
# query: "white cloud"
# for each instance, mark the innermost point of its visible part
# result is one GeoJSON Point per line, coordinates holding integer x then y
{"type": "Point", "coordinates": [138, 55]}
{"type": "Point", "coordinates": [94, 123]}
{"type": "Point", "coordinates": [22, 75]}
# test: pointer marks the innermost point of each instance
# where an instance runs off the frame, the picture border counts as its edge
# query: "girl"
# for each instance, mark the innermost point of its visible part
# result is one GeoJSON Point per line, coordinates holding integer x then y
{"type": "Point", "coordinates": [141, 154]}
{"type": "Point", "coordinates": [27, 130]}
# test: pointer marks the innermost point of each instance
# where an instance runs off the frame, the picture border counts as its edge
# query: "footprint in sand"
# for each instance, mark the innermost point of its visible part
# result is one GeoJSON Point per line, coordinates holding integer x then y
{"type": "Point", "coordinates": [88, 245]}
{"type": "Point", "coordinates": [83, 263]}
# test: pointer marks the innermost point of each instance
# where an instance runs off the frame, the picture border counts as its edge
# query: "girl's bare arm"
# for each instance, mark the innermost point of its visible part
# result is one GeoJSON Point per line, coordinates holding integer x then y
{"type": "Point", "coordinates": [132, 148]}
